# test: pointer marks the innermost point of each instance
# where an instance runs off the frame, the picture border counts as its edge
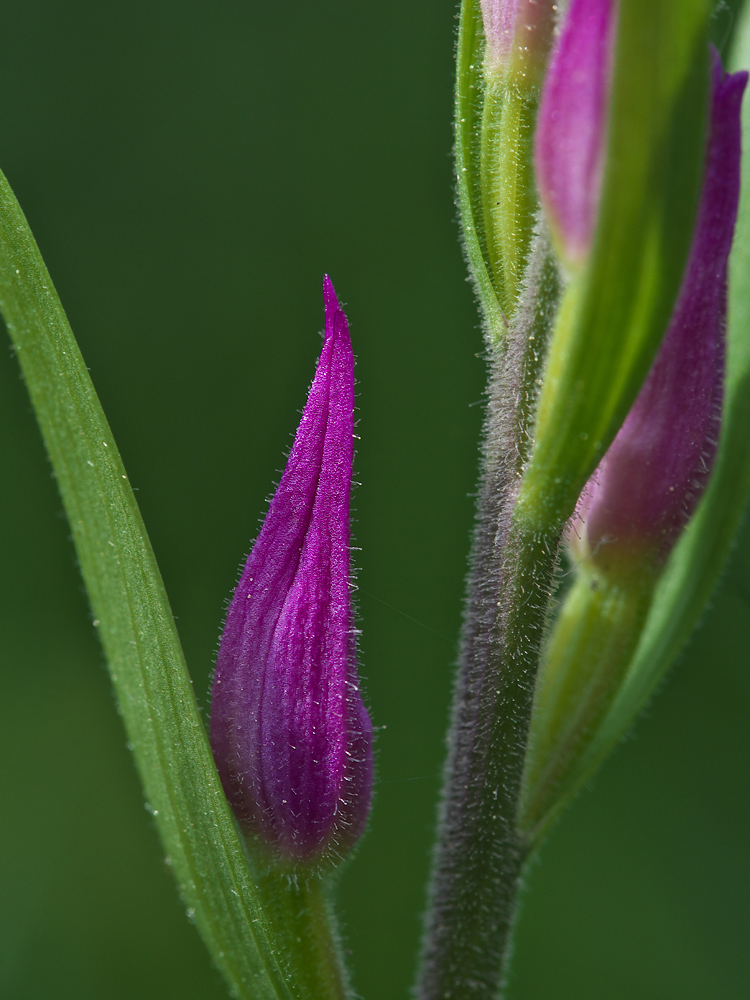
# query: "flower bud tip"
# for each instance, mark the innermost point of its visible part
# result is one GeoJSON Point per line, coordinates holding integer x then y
{"type": "Point", "coordinates": [289, 731]}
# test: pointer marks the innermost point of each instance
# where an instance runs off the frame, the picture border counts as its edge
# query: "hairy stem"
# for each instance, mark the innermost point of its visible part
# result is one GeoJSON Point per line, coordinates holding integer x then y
{"type": "Point", "coordinates": [298, 907]}
{"type": "Point", "coordinates": [478, 859]}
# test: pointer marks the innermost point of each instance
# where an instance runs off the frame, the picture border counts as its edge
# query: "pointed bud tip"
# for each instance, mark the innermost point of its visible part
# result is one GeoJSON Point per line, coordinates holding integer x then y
{"type": "Point", "coordinates": [330, 300]}
{"type": "Point", "coordinates": [291, 736]}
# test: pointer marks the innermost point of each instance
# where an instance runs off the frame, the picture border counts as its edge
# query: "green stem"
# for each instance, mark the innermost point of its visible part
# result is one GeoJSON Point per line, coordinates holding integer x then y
{"type": "Point", "coordinates": [480, 853]}
{"type": "Point", "coordinates": [478, 859]}
{"type": "Point", "coordinates": [298, 906]}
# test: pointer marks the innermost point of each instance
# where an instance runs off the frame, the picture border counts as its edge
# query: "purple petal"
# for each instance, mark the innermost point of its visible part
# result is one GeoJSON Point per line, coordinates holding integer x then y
{"type": "Point", "coordinates": [289, 731]}
{"type": "Point", "coordinates": [656, 469]}
{"type": "Point", "coordinates": [571, 126]}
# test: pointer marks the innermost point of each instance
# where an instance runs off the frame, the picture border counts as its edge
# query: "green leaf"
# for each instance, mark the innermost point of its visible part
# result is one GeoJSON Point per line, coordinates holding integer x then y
{"type": "Point", "coordinates": [617, 311]}
{"type": "Point", "coordinates": [137, 630]}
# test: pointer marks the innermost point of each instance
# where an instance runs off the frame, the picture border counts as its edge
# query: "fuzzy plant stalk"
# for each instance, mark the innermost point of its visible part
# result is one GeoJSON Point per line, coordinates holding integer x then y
{"type": "Point", "coordinates": [621, 220]}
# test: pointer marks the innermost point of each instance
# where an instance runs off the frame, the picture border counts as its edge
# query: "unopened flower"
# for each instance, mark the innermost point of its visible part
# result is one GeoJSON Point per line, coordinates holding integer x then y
{"type": "Point", "coordinates": [571, 126]}
{"type": "Point", "coordinates": [290, 734]}
{"type": "Point", "coordinates": [656, 469]}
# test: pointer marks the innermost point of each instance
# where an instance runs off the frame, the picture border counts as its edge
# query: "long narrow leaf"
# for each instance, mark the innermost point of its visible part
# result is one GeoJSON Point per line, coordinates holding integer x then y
{"type": "Point", "coordinates": [135, 623]}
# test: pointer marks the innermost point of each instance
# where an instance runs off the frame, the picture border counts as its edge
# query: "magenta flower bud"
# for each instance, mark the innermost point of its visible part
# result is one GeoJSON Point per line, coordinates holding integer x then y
{"type": "Point", "coordinates": [571, 127]}
{"type": "Point", "coordinates": [290, 734]}
{"type": "Point", "coordinates": [650, 480]}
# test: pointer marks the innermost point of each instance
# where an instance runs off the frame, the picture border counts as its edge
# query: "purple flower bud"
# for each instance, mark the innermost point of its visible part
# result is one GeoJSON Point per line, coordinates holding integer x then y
{"type": "Point", "coordinates": [571, 127]}
{"type": "Point", "coordinates": [517, 33]}
{"type": "Point", "coordinates": [650, 480]}
{"type": "Point", "coordinates": [290, 734]}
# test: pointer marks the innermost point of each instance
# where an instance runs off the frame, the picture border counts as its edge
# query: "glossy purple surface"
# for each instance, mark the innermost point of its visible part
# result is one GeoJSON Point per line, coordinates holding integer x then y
{"type": "Point", "coordinates": [290, 734]}
{"type": "Point", "coordinates": [656, 469]}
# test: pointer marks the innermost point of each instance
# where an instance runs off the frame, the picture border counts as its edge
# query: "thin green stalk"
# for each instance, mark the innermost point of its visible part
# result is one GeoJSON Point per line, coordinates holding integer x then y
{"type": "Point", "coordinates": [298, 906]}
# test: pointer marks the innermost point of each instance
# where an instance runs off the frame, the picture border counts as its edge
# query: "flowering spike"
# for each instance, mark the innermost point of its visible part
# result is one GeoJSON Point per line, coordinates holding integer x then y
{"type": "Point", "coordinates": [656, 469]}
{"type": "Point", "coordinates": [570, 136]}
{"type": "Point", "coordinates": [290, 734]}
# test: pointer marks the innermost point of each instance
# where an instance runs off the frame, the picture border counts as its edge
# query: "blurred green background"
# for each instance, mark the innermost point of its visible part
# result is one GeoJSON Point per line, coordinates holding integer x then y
{"type": "Point", "coordinates": [190, 172]}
